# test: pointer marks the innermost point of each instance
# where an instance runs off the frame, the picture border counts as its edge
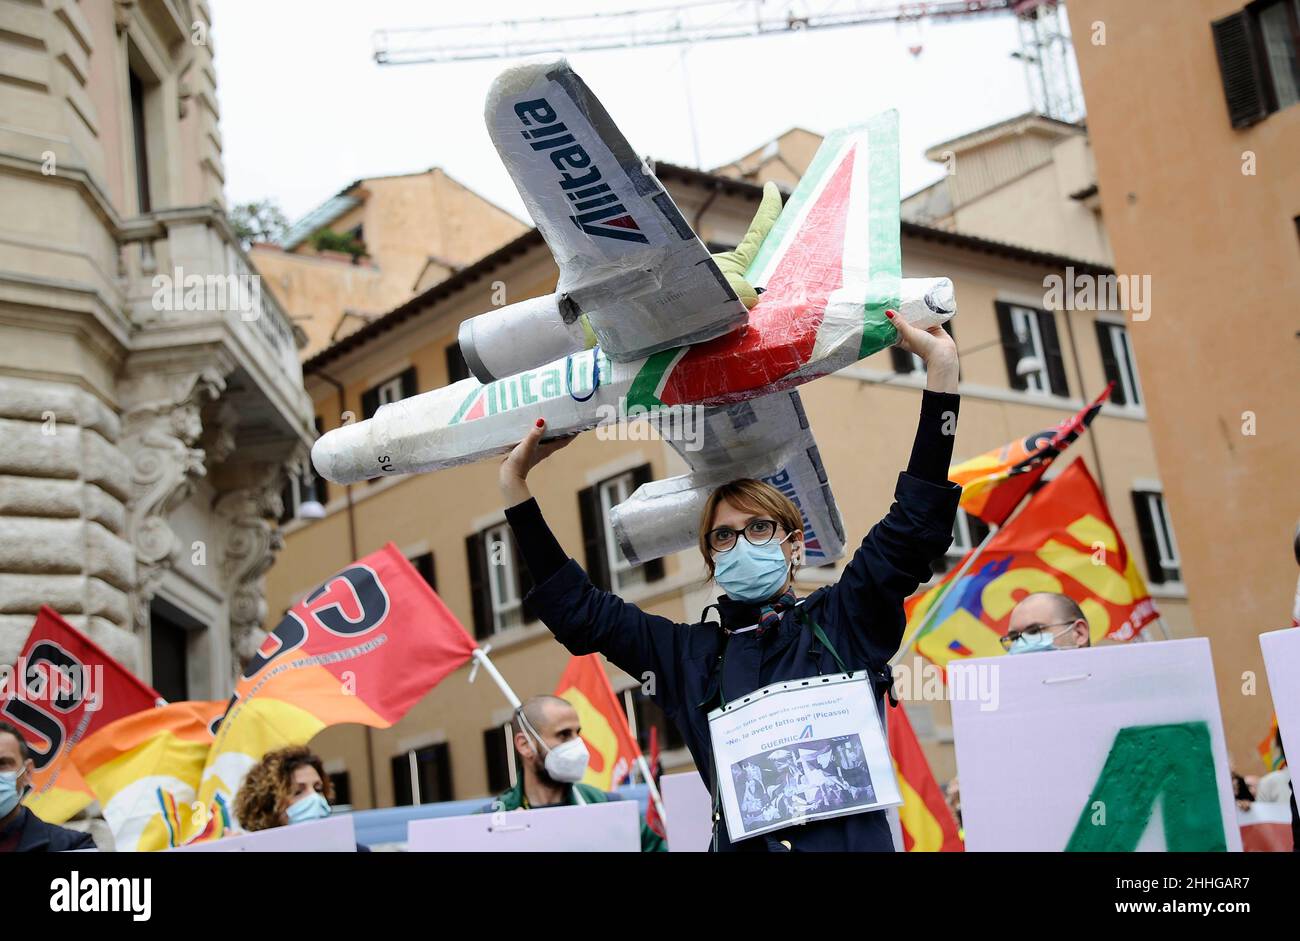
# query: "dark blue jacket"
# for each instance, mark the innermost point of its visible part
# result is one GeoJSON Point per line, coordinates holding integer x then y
{"type": "Point", "coordinates": [37, 836]}
{"type": "Point", "coordinates": [861, 615]}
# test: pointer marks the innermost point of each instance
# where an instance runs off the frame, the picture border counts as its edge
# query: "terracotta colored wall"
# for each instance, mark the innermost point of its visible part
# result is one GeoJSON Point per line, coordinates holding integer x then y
{"type": "Point", "coordinates": [1221, 250]}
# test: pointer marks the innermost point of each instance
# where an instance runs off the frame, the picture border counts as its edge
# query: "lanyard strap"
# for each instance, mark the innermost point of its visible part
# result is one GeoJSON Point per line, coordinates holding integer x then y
{"type": "Point", "coordinates": [722, 662]}
{"type": "Point", "coordinates": [821, 636]}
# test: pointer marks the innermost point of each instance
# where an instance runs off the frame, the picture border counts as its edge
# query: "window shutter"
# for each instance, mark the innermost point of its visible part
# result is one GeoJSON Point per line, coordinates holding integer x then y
{"type": "Point", "coordinates": [409, 384]}
{"type": "Point", "coordinates": [1147, 532]}
{"type": "Point", "coordinates": [322, 485]}
{"type": "Point", "coordinates": [479, 590]}
{"type": "Point", "coordinates": [1108, 362]}
{"type": "Point", "coordinates": [1010, 344]}
{"type": "Point", "coordinates": [654, 569]}
{"type": "Point", "coordinates": [901, 359]}
{"type": "Point", "coordinates": [1052, 350]}
{"type": "Point", "coordinates": [424, 565]}
{"type": "Point", "coordinates": [593, 537]}
{"type": "Point", "coordinates": [523, 579]}
{"type": "Point", "coordinates": [369, 402]}
{"type": "Point", "coordinates": [1239, 67]}
{"type": "Point", "coordinates": [979, 530]}
{"type": "Point", "coordinates": [401, 768]}
{"type": "Point", "coordinates": [457, 368]}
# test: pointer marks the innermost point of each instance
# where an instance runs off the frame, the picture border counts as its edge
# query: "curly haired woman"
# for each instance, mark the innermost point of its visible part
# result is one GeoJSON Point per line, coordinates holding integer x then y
{"type": "Point", "coordinates": [287, 786]}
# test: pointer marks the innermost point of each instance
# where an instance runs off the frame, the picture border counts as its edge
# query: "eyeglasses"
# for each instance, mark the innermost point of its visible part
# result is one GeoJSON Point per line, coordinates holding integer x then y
{"type": "Point", "coordinates": [758, 532]}
{"type": "Point", "coordinates": [1033, 630]}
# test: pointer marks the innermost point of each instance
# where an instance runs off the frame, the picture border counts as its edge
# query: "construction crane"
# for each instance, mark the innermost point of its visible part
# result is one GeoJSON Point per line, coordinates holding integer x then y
{"type": "Point", "coordinates": [1044, 50]}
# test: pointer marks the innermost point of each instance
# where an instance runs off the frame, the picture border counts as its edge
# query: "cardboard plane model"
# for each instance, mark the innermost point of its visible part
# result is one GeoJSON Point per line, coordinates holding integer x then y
{"type": "Point", "coordinates": [644, 323]}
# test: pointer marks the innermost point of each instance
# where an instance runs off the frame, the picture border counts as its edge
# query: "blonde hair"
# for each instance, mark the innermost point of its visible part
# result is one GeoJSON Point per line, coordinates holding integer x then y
{"type": "Point", "coordinates": [749, 496]}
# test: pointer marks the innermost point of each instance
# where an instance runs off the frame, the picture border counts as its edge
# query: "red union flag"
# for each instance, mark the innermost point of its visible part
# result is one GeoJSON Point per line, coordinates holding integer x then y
{"type": "Point", "coordinates": [62, 689]}
{"type": "Point", "coordinates": [363, 647]}
{"type": "Point", "coordinates": [604, 726]}
{"type": "Point", "coordinates": [1064, 540]}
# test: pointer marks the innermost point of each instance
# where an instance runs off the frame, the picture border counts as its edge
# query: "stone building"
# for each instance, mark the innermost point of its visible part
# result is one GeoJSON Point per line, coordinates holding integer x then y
{"type": "Point", "coordinates": [151, 398]}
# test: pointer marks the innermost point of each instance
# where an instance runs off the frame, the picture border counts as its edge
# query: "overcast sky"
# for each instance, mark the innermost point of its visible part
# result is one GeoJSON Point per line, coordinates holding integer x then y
{"type": "Point", "coordinates": [305, 109]}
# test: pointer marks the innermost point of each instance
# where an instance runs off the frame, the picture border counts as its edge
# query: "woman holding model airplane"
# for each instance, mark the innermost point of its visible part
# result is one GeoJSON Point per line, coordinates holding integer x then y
{"type": "Point", "coordinates": [751, 539]}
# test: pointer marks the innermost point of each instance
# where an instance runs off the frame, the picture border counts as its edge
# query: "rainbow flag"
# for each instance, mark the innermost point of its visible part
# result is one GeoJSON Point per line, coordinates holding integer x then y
{"type": "Point", "coordinates": [994, 483]}
{"type": "Point", "coordinates": [1270, 750]}
{"type": "Point", "coordinates": [1064, 540]}
{"type": "Point", "coordinates": [144, 770]}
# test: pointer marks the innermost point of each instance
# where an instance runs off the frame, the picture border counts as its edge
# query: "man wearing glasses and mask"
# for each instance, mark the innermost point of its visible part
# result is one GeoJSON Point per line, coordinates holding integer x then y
{"type": "Point", "coordinates": [1046, 620]}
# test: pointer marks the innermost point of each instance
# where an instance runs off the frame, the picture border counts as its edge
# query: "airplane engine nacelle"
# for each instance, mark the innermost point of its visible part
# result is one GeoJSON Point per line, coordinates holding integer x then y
{"type": "Point", "coordinates": [511, 339]}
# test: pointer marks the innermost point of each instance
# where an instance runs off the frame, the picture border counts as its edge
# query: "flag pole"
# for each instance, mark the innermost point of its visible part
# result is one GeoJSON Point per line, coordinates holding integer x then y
{"type": "Point", "coordinates": [934, 608]}
{"type": "Point", "coordinates": [481, 660]}
{"type": "Point", "coordinates": [654, 788]}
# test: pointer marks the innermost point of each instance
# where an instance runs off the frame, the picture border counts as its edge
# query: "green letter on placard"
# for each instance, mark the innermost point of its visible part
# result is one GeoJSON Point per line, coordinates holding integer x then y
{"type": "Point", "coordinates": [1145, 762]}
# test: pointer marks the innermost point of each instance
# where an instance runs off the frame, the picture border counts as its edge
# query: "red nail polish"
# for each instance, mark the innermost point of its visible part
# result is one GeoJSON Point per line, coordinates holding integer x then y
{"type": "Point", "coordinates": [541, 423]}
{"type": "Point", "coordinates": [890, 314]}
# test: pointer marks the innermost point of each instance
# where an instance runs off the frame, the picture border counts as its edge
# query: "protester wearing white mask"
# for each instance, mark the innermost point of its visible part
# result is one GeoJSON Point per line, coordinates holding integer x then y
{"type": "Point", "coordinates": [21, 831]}
{"type": "Point", "coordinates": [552, 761]}
{"type": "Point", "coordinates": [1046, 620]}
{"type": "Point", "coordinates": [288, 786]}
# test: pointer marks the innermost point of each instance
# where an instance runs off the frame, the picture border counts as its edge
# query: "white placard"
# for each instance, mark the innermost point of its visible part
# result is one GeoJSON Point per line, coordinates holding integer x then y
{"type": "Point", "coordinates": [1282, 663]}
{"type": "Point", "coordinates": [687, 807]}
{"type": "Point", "coordinates": [799, 751]}
{"type": "Point", "coordinates": [1095, 749]}
{"type": "Point", "coordinates": [610, 827]}
{"type": "Point", "coordinates": [331, 835]}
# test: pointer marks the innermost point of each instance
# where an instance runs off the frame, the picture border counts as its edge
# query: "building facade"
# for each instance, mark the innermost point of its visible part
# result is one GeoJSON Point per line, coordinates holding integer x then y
{"type": "Point", "coordinates": [453, 744]}
{"type": "Point", "coordinates": [151, 396]}
{"type": "Point", "coordinates": [1199, 179]}
{"type": "Point", "coordinates": [392, 237]}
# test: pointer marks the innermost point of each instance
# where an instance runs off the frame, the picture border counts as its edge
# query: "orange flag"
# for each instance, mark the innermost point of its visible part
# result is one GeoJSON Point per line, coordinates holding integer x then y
{"type": "Point", "coordinates": [604, 727]}
{"type": "Point", "coordinates": [145, 771]}
{"type": "Point", "coordinates": [928, 824]}
{"type": "Point", "coordinates": [1064, 540]}
{"type": "Point", "coordinates": [994, 483]}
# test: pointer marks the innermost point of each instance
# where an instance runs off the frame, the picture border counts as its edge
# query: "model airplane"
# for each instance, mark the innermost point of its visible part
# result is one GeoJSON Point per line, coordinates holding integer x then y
{"type": "Point", "coordinates": [644, 323]}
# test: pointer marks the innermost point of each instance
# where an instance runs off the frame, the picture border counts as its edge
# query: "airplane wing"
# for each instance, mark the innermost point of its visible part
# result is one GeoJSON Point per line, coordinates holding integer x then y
{"type": "Point", "coordinates": [767, 438]}
{"type": "Point", "coordinates": [830, 266]}
{"type": "Point", "coordinates": [627, 257]}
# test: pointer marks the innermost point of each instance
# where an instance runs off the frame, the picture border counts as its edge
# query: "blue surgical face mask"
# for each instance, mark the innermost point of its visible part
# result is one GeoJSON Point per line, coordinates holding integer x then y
{"type": "Point", "coordinates": [312, 807]}
{"type": "Point", "coordinates": [751, 573]}
{"type": "Point", "coordinates": [1043, 640]}
{"type": "Point", "coordinates": [9, 796]}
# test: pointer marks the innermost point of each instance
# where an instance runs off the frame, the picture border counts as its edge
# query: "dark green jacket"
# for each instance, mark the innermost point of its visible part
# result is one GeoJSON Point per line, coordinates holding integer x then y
{"type": "Point", "coordinates": [514, 799]}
